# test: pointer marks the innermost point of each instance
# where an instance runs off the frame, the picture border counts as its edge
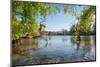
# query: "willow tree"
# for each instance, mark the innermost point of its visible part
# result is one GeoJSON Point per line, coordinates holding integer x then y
{"type": "Point", "coordinates": [85, 20]}
{"type": "Point", "coordinates": [25, 17]}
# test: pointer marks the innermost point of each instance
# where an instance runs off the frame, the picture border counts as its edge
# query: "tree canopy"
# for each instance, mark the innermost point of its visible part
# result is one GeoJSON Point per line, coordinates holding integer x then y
{"type": "Point", "coordinates": [25, 16]}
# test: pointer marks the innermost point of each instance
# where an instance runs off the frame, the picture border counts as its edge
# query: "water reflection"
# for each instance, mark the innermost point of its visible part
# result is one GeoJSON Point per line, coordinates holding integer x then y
{"type": "Point", "coordinates": [53, 49]}
{"type": "Point", "coordinates": [85, 46]}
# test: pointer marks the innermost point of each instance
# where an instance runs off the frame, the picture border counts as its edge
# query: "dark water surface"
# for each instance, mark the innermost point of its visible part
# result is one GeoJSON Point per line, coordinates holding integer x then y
{"type": "Point", "coordinates": [53, 49]}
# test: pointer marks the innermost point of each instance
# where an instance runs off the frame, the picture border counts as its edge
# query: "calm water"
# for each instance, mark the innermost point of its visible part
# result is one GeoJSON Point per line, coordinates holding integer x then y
{"type": "Point", "coordinates": [53, 49]}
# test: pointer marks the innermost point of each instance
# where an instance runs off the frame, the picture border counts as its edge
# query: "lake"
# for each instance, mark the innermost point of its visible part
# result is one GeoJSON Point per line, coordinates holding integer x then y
{"type": "Point", "coordinates": [53, 49]}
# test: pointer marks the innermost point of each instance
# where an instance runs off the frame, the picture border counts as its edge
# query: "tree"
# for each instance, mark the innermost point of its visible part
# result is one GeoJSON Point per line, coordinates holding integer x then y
{"type": "Point", "coordinates": [25, 17]}
{"type": "Point", "coordinates": [85, 20]}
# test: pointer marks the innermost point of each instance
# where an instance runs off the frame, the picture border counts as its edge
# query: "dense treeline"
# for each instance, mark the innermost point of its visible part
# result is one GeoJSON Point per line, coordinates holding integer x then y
{"type": "Point", "coordinates": [64, 32]}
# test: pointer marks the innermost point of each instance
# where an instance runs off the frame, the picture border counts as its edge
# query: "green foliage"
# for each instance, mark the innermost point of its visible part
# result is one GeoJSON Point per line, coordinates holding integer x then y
{"type": "Point", "coordinates": [25, 17]}
{"type": "Point", "coordinates": [70, 9]}
{"type": "Point", "coordinates": [84, 21]}
{"type": "Point", "coordinates": [86, 18]}
{"type": "Point", "coordinates": [16, 29]}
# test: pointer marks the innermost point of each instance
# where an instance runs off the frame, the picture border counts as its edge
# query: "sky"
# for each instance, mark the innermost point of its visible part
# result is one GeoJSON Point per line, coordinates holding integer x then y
{"type": "Point", "coordinates": [60, 21]}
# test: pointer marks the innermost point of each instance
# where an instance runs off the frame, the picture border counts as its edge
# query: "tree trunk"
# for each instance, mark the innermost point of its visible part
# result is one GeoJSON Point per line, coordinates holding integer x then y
{"type": "Point", "coordinates": [78, 38]}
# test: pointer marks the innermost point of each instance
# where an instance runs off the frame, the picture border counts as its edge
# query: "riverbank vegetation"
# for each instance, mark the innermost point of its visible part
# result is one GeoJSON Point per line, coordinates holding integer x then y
{"type": "Point", "coordinates": [86, 22]}
{"type": "Point", "coordinates": [25, 19]}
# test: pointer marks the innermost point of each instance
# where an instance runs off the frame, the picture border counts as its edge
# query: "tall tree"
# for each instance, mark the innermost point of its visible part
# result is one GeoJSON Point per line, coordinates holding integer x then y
{"type": "Point", "coordinates": [25, 16]}
{"type": "Point", "coordinates": [85, 20]}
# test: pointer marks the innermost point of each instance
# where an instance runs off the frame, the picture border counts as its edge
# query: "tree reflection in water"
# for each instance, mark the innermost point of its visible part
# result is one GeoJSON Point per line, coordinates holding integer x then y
{"type": "Point", "coordinates": [25, 47]}
{"type": "Point", "coordinates": [53, 49]}
{"type": "Point", "coordinates": [85, 44]}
